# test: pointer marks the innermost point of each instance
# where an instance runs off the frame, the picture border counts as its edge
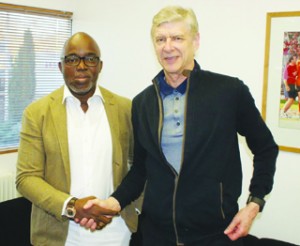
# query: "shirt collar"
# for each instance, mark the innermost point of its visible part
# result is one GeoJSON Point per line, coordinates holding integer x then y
{"type": "Point", "coordinates": [68, 94]}
{"type": "Point", "coordinates": [166, 89]}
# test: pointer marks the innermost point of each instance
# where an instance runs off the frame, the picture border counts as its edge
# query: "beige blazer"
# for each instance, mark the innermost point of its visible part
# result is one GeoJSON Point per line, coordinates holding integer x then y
{"type": "Point", "coordinates": [43, 168]}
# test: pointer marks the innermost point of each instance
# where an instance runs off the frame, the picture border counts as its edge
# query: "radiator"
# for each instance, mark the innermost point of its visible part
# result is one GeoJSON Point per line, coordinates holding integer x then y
{"type": "Point", "coordinates": [7, 186]}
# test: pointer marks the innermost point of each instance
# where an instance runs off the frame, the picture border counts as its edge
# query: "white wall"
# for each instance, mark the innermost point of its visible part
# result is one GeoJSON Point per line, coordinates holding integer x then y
{"type": "Point", "coordinates": [232, 42]}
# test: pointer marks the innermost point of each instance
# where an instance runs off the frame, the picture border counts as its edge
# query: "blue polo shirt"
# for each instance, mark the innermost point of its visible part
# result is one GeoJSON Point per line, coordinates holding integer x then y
{"type": "Point", "coordinates": [173, 123]}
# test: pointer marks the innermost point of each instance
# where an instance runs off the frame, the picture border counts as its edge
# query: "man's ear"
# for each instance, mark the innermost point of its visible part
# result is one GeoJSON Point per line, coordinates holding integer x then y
{"type": "Point", "coordinates": [197, 41]}
{"type": "Point", "coordinates": [100, 65]}
{"type": "Point", "coordinates": [60, 66]}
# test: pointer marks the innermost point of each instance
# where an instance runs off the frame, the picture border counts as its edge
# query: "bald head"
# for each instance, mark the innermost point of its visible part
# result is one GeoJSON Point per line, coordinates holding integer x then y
{"type": "Point", "coordinates": [77, 40]}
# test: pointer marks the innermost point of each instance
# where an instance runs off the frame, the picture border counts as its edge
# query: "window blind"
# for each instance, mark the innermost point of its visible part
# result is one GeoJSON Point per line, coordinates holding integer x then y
{"type": "Point", "coordinates": [31, 41]}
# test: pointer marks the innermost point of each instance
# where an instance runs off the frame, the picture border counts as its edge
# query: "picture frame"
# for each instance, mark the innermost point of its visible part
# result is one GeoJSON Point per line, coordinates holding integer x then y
{"type": "Point", "coordinates": [281, 29]}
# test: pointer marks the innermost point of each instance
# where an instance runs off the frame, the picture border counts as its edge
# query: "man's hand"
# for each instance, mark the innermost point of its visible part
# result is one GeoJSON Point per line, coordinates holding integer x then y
{"type": "Point", "coordinates": [242, 221]}
{"type": "Point", "coordinates": [110, 203]}
{"type": "Point", "coordinates": [97, 216]}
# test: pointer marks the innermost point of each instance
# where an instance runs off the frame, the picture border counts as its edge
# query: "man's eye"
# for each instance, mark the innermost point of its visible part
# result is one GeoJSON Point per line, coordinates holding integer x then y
{"type": "Point", "coordinates": [160, 40]}
{"type": "Point", "coordinates": [91, 58]}
{"type": "Point", "coordinates": [72, 59]}
{"type": "Point", "coordinates": [177, 38]}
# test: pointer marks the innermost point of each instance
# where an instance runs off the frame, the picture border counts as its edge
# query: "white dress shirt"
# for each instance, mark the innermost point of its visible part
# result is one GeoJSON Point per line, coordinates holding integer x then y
{"type": "Point", "coordinates": [90, 150]}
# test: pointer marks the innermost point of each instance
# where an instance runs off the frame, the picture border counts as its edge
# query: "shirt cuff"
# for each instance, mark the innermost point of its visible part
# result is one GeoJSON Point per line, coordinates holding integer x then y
{"type": "Point", "coordinates": [63, 212]}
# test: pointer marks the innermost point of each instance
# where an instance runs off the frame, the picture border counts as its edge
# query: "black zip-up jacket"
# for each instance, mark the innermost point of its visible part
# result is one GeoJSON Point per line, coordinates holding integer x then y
{"type": "Point", "coordinates": [201, 200]}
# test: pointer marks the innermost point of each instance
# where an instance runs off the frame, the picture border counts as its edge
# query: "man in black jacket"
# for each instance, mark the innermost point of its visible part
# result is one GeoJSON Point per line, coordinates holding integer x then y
{"type": "Point", "coordinates": [186, 152]}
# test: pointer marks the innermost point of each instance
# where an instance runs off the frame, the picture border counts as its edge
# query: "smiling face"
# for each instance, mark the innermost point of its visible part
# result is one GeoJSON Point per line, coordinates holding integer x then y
{"type": "Point", "coordinates": [175, 47]}
{"type": "Point", "coordinates": [81, 79]}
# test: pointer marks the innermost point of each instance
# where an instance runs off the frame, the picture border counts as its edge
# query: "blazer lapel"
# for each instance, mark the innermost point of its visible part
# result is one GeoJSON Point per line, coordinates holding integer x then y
{"type": "Point", "coordinates": [59, 117]}
{"type": "Point", "coordinates": [111, 109]}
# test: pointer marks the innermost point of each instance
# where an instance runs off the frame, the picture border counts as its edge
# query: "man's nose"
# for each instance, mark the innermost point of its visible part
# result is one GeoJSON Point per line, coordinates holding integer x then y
{"type": "Point", "coordinates": [81, 64]}
{"type": "Point", "coordinates": [168, 44]}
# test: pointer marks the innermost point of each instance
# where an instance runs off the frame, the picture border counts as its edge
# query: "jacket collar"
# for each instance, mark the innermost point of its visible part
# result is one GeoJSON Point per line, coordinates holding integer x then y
{"type": "Point", "coordinates": [186, 73]}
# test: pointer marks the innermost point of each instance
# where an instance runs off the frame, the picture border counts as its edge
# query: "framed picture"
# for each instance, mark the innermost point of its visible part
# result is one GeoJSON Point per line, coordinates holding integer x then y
{"type": "Point", "coordinates": [281, 90]}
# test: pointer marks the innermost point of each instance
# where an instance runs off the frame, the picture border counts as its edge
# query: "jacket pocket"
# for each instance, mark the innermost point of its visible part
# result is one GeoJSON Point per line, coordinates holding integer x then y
{"type": "Point", "coordinates": [201, 207]}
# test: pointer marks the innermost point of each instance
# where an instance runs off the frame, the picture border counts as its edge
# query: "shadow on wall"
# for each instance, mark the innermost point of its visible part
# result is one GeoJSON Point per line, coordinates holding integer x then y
{"type": "Point", "coordinates": [251, 240]}
{"type": "Point", "coordinates": [15, 222]}
{"type": "Point", "coordinates": [15, 226]}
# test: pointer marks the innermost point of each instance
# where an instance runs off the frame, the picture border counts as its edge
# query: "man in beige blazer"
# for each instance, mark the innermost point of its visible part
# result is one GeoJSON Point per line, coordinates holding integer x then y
{"type": "Point", "coordinates": [45, 161]}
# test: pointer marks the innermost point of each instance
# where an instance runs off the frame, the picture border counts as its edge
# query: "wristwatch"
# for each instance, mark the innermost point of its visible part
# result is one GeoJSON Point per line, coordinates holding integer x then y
{"type": "Point", "coordinates": [259, 201]}
{"type": "Point", "coordinates": [70, 209]}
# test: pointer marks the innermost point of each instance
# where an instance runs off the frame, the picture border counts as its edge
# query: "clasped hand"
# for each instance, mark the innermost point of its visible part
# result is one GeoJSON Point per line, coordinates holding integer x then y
{"type": "Point", "coordinates": [95, 214]}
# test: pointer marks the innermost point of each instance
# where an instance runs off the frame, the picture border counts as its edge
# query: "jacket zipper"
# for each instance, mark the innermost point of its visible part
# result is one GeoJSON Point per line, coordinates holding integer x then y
{"type": "Point", "coordinates": [161, 116]}
{"type": "Point", "coordinates": [160, 126]}
{"type": "Point", "coordinates": [182, 149]}
{"type": "Point", "coordinates": [221, 199]}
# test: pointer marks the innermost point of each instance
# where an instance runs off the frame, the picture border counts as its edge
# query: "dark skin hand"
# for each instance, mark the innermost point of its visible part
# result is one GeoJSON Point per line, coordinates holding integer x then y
{"type": "Point", "coordinates": [102, 216]}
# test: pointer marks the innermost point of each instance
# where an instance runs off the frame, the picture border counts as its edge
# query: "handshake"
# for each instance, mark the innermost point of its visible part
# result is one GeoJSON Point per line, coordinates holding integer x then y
{"type": "Point", "coordinates": [94, 214]}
